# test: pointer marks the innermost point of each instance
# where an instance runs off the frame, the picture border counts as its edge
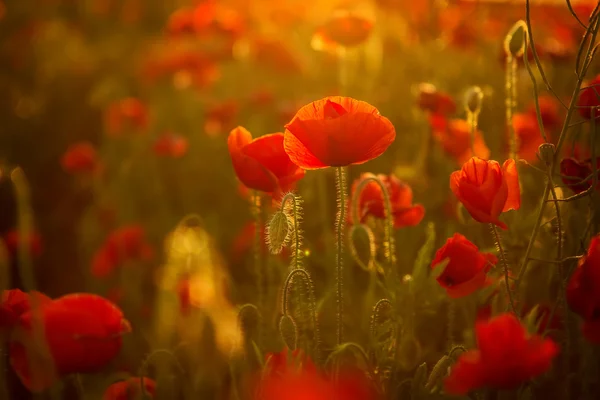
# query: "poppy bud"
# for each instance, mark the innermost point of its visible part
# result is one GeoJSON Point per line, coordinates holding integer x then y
{"type": "Point", "coordinates": [473, 100]}
{"type": "Point", "coordinates": [546, 153]}
{"type": "Point", "coordinates": [516, 46]}
{"type": "Point", "coordinates": [278, 232]}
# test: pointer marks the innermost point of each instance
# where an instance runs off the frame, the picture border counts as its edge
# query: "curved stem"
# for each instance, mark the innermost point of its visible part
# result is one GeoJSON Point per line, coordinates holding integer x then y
{"type": "Point", "coordinates": [502, 256]}
{"type": "Point", "coordinates": [339, 270]}
{"type": "Point", "coordinates": [388, 240]}
{"type": "Point", "coordinates": [296, 215]}
{"type": "Point", "coordinates": [372, 248]}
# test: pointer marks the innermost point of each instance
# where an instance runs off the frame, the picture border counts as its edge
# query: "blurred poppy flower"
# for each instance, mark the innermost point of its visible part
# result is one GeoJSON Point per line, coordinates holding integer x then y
{"type": "Point", "coordinates": [15, 303]}
{"type": "Point", "coordinates": [486, 189]}
{"type": "Point", "coordinates": [467, 268]}
{"type": "Point", "coordinates": [130, 389]}
{"type": "Point", "coordinates": [578, 175]}
{"type": "Point", "coordinates": [589, 99]}
{"type": "Point", "coordinates": [432, 100]}
{"type": "Point", "coordinates": [288, 361]}
{"type": "Point", "coordinates": [129, 114]}
{"type": "Point", "coordinates": [347, 28]}
{"type": "Point", "coordinates": [261, 163]}
{"type": "Point", "coordinates": [12, 240]}
{"type": "Point", "coordinates": [371, 201]}
{"type": "Point", "coordinates": [186, 67]}
{"type": "Point", "coordinates": [528, 134]}
{"type": "Point", "coordinates": [83, 333]}
{"type": "Point", "coordinates": [455, 138]}
{"type": "Point", "coordinates": [505, 358]}
{"type": "Point", "coordinates": [549, 111]}
{"type": "Point", "coordinates": [79, 157]}
{"type": "Point", "coordinates": [181, 22]}
{"type": "Point", "coordinates": [125, 244]}
{"type": "Point", "coordinates": [335, 132]}
{"type": "Point", "coordinates": [220, 117]}
{"type": "Point", "coordinates": [262, 97]}
{"type": "Point", "coordinates": [171, 145]}
{"type": "Point", "coordinates": [275, 54]}
{"type": "Point", "coordinates": [583, 289]}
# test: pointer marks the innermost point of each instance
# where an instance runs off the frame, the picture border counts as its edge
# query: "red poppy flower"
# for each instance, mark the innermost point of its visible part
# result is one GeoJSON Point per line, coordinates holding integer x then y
{"type": "Point", "coordinates": [220, 117]}
{"type": "Point", "coordinates": [347, 28]}
{"type": "Point", "coordinates": [590, 329]}
{"type": "Point", "coordinates": [80, 158]}
{"type": "Point", "coordinates": [371, 202]}
{"type": "Point", "coordinates": [583, 290]}
{"type": "Point", "coordinates": [261, 163]}
{"type": "Point", "coordinates": [589, 99]}
{"type": "Point", "coordinates": [506, 357]}
{"type": "Point", "coordinates": [549, 111]}
{"type": "Point", "coordinates": [181, 22]}
{"type": "Point", "coordinates": [335, 132]}
{"type": "Point", "coordinates": [578, 175]}
{"type": "Point", "coordinates": [455, 138]}
{"type": "Point", "coordinates": [126, 114]}
{"type": "Point", "coordinates": [171, 145]}
{"type": "Point", "coordinates": [15, 303]}
{"type": "Point", "coordinates": [432, 100]}
{"type": "Point", "coordinates": [130, 389]}
{"type": "Point", "coordinates": [486, 189]}
{"type": "Point", "coordinates": [125, 244]}
{"type": "Point", "coordinates": [184, 66]}
{"type": "Point", "coordinates": [83, 333]}
{"type": "Point", "coordinates": [12, 239]}
{"type": "Point", "coordinates": [528, 135]}
{"type": "Point", "coordinates": [467, 268]}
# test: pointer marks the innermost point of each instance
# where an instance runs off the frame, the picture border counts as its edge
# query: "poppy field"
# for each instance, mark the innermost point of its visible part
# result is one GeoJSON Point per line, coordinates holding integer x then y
{"type": "Point", "coordinates": [299, 200]}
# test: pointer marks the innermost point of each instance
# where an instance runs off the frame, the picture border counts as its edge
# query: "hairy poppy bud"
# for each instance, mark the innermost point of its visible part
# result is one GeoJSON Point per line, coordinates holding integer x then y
{"type": "Point", "coordinates": [473, 100]}
{"type": "Point", "coordinates": [514, 44]}
{"type": "Point", "coordinates": [278, 232]}
{"type": "Point", "coordinates": [546, 153]}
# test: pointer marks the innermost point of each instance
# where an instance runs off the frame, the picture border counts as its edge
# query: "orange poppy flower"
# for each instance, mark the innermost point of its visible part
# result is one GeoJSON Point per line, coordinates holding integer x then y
{"type": "Point", "coordinates": [347, 28]}
{"type": "Point", "coordinates": [528, 134]}
{"type": "Point", "coordinates": [80, 158]}
{"type": "Point", "coordinates": [126, 114]}
{"type": "Point", "coordinates": [171, 145]}
{"type": "Point", "coordinates": [404, 213]}
{"type": "Point", "coordinates": [262, 164]}
{"type": "Point", "coordinates": [83, 333]}
{"type": "Point", "coordinates": [122, 245]}
{"type": "Point", "coordinates": [455, 138]}
{"type": "Point", "coordinates": [467, 268]}
{"type": "Point", "coordinates": [486, 189]}
{"type": "Point", "coordinates": [335, 132]}
{"type": "Point", "coordinates": [130, 389]}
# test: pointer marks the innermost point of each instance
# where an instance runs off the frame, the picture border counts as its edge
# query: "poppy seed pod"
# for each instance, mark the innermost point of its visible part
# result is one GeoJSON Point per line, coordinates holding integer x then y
{"type": "Point", "coordinates": [546, 153]}
{"type": "Point", "coordinates": [278, 232]}
{"type": "Point", "coordinates": [473, 100]}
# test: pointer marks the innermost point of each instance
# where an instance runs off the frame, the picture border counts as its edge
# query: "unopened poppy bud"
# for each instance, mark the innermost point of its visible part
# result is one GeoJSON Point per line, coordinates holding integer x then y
{"type": "Point", "coordinates": [278, 232]}
{"type": "Point", "coordinates": [546, 153]}
{"type": "Point", "coordinates": [439, 371]}
{"type": "Point", "coordinates": [473, 100]}
{"type": "Point", "coordinates": [514, 42]}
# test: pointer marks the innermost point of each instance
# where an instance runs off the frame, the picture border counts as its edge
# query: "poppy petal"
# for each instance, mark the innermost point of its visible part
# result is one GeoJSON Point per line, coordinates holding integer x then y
{"type": "Point", "coordinates": [513, 201]}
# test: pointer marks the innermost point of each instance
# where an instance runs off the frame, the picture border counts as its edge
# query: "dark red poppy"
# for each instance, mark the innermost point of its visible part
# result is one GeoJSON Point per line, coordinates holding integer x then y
{"type": "Point", "coordinates": [578, 175]}
{"type": "Point", "coordinates": [550, 113]}
{"type": "Point", "coordinates": [125, 244]}
{"type": "Point", "coordinates": [529, 137]}
{"type": "Point", "coordinates": [12, 239]}
{"type": "Point", "coordinates": [127, 115]}
{"type": "Point", "coordinates": [505, 358]}
{"type": "Point", "coordinates": [404, 212]}
{"type": "Point", "coordinates": [583, 290]}
{"type": "Point", "coordinates": [83, 333]}
{"type": "Point", "coordinates": [589, 99]}
{"type": "Point", "coordinates": [430, 99]}
{"type": "Point", "coordinates": [467, 268]}
{"type": "Point", "coordinates": [486, 189]}
{"type": "Point", "coordinates": [335, 132]}
{"type": "Point", "coordinates": [15, 303]}
{"type": "Point", "coordinates": [455, 138]}
{"type": "Point", "coordinates": [130, 389]}
{"type": "Point", "coordinates": [171, 145]}
{"type": "Point", "coordinates": [347, 28]}
{"type": "Point", "coordinates": [261, 163]}
{"type": "Point", "coordinates": [80, 157]}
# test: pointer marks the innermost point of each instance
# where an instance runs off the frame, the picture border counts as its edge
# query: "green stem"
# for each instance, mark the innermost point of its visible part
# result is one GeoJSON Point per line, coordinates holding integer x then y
{"type": "Point", "coordinates": [504, 262]}
{"type": "Point", "coordinates": [258, 270]}
{"type": "Point", "coordinates": [296, 215]}
{"type": "Point", "coordinates": [339, 270]}
{"type": "Point", "coordinates": [388, 240]}
{"type": "Point", "coordinates": [451, 322]}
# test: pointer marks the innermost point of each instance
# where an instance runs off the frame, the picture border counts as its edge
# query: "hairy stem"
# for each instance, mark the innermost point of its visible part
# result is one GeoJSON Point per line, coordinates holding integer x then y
{"type": "Point", "coordinates": [296, 216]}
{"type": "Point", "coordinates": [504, 262]}
{"type": "Point", "coordinates": [339, 269]}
